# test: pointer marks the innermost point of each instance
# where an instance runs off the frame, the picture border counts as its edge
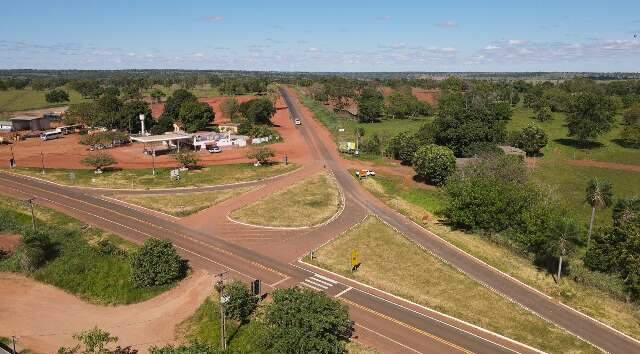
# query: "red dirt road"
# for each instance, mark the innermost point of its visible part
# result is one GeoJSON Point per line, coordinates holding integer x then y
{"type": "Point", "coordinates": [30, 307]}
{"type": "Point", "coordinates": [606, 165]}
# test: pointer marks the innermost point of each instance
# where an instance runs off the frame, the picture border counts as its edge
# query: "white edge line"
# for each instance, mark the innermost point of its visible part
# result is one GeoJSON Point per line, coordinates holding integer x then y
{"type": "Point", "coordinates": [387, 338]}
{"type": "Point", "coordinates": [343, 292]}
{"type": "Point", "coordinates": [273, 285]}
{"type": "Point", "coordinates": [427, 309]}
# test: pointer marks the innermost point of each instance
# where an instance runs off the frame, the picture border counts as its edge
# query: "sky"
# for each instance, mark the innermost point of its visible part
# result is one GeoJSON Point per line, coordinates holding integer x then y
{"type": "Point", "coordinates": [327, 35]}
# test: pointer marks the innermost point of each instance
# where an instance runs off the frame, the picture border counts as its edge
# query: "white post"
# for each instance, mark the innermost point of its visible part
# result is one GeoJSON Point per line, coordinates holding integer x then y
{"type": "Point", "coordinates": [142, 132]}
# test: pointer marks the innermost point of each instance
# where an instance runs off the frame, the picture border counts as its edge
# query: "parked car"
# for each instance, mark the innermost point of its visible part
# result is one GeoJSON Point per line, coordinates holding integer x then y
{"type": "Point", "coordinates": [298, 121]}
{"type": "Point", "coordinates": [365, 173]}
{"type": "Point", "coordinates": [214, 149]}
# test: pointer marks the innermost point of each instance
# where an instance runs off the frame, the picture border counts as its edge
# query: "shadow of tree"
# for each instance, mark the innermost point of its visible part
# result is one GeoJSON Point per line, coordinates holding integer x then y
{"type": "Point", "coordinates": [579, 144]}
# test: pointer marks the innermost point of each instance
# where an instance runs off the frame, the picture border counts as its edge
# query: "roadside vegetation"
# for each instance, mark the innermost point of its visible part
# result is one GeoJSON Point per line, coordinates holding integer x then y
{"type": "Point", "coordinates": [182, 204]}
{"type": "Point", "coordinates": [144, 179]}
{"type": "Point", "coordinates": [394, 264]}
{"type": "Point", "coordinates": [88, 262]}
{"type": "Point", "coordinates": [309, 202]}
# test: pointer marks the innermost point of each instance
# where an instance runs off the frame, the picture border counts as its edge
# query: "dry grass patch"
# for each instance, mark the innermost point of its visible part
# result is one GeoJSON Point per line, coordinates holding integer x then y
{"type": "Point", "coordinates": [306, 203]}
{"type": "Point", "coordinates": [394, 264]}
{"type": "Point", "coordinates": [182, 204]}
{"type": "Point", "coordinates": [622, 315]}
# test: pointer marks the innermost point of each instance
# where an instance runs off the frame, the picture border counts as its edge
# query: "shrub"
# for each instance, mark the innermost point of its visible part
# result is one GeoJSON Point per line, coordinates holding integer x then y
{"type": "Point", "coordinates": [32, 252]}
{"type": "Point", "coordinates": [193, 348]}
{"type": "Point", "coordinates": [371, 145]}
{"type": "Point", "coordinates": [186, 158]}
{"type": "Point", "coordinates": [56, 96]}
{"type": "Point", "coordinates": [99, 160]}
{"type": "Point", "coordinates": [262, 154]}
{"type": "Point", "coordinates": [543, 114]}
{"type": "Point", "coordinates": [241, 303]}
{"type": "Point", "coordinates": [156, 263]}
{"type": "Point", "coordinates": [434, 163]}
{"type": "Point", "coordinates": [531, 139]}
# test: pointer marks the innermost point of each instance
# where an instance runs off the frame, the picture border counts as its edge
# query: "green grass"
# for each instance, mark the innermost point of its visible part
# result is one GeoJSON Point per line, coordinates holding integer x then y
{"type": "Point", "coordinates": [392, 263]}
{"type": "Point", "coordinates": [306, 203]}
{"type": "Point", "coordinates": [385, 129]}
{"type": "Point", "coordinates": [26, 99]}
{"type": "Point", "coordinates": [144, 178]}
{"type": "Point", "coordinates": [77, 266]}
{"type": "Point", "coordinates": [182, 204]}
{"type": "Point", "coordinates": [569, 181]}
{"type": "Point", "coordinates": [599, 302]}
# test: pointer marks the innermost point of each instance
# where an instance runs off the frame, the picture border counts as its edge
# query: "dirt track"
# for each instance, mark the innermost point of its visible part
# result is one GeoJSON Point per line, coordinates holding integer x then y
{"type": "Point", "coordinates": [606, 165]}
{"type": "Point", "coordinates": [29, 307]}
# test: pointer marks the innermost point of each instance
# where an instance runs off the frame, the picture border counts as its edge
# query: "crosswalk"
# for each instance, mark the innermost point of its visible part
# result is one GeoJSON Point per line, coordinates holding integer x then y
{"type": "Point", "coordinates": [319, 282]}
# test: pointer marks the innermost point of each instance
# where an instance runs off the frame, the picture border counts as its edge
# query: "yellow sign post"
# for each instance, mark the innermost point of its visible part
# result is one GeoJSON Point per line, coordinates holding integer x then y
{"type": "Point", "coordinates": [354, 260]}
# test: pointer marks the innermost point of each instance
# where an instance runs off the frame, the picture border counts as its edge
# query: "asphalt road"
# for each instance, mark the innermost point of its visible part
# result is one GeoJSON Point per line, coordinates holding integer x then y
{"type": "Point", "coordinates": [389, 323]}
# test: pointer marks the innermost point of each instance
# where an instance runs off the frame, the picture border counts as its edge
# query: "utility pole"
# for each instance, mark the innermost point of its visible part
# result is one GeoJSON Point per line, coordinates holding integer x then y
{"type": "Point", "coordinates": [33, 215]}
{"type": "Point", "coordinates": [219, 286]}
{"type": "Point", "coordinates": [12, 163]}
{"type": "Point", "coordinates": [42, 159]}
{"type": "Point", "coordinates": [13, 339]}
{"type": "Point", "coordinates": [153, 160]}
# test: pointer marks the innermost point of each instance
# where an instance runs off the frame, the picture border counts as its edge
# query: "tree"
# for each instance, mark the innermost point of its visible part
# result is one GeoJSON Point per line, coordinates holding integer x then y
{"type": "Point", "coordinates": [94, 340]}
{"type": "Point", "coordinates": [631, 130]}
{"type": "Point", "coordinates": [531, 139]}
{"type": "Point", "coordinates": [157, 95]}
{"type": "Point", "coordinates": [109, 113]}
{"type": "Point", "coordinates": [241, 302]}
{"type": "Point", "coordinates": [402, 147]}
{"type": "Point", "coordinates": [186, 158]}
{"type": "Point", "coordinates": [131, 111]}
{"type": "Point", "coordinates": [304, 321]}
{"type": "Point", "coordinates": [195, 116]}
{"type": "Point", "coordinates": [261, 154]}
{"type": "Point", "coordinates": [99, 160]}
{"type": "Point", "coordinates": [543, 113]}
{"type": "Point", "coordinates": [258, 110]}
{"type": "Point", "coordinates": [434, 163]}
{"type": "Point", "coordinates": [599, 194]}
{"type": "Point", "coordinates": [174, 103]}
{"type": "Point", "coordinates": [230, 108]}
{"type": "Point", "coordinates": [156, 263]}
{"type": "Point", "coordinates": [563, 237]}
{"type": "Point", "coordinates": [371, 145]}
{"type": "Point", "coordinates": [82, 113]}
{"type": "Point", "coordinates": [56, 96]}
{"type": "Point", "coordinates": [163, 125]}
{"type": "Point", "coordinates": [370, 105]}
{"type": "Point", "coordinates": [590, 115]}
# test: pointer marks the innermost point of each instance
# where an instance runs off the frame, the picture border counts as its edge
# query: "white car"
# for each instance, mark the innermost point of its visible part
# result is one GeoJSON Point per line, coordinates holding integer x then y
{"type": "Point", "coordinates": [366, 173]}
{"type": "Point", "coordinates": [298, 121]}
{"type": "Point", "coordinates": [214, 149]}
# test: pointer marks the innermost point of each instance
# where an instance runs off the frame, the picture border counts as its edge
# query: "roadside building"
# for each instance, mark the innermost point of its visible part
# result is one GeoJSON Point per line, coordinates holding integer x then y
{"type": "Point", "coordinates": [228, 128]}
{"type": "Point", "coordinates": [5, 126]}
{"type": "Point", "coordinates": [202, 141]}
{"type": "Point", "coordinates": [162, 143]}
{"type": "Point", "coordinates": [32, 123]}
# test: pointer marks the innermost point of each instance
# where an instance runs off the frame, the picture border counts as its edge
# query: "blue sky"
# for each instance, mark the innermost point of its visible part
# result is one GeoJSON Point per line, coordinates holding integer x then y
{"type": "Point", "coordinates": [346, 35]}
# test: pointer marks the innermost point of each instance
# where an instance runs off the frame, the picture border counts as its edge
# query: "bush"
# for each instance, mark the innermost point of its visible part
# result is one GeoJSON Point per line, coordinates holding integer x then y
{"type": "Point", "coordinates": [543, 114]}
{"type": "Point", "coordinates": [531, 139]}
{"type": "Point", "coordinates": [402, 147]}
{"type": "Point", "coordinates": [99, 160]}
{"type": "Point", "coordinates": [186, 158]}
{"type": "Point", "coordinates": [56, 96]}
{"type": "Point", "coordinates": [156, 263]}
{"type": "Point", "coordinates": [434, 163]}
{"type": "Point", "coordinates": [33, 251]}
{"type": "Point", "coordinates": [193, 348]}
{"type": "Point", "coordinates": [371, 145]}
{"type": "Point", "coordinates": [262, 154]}
{"type": "Point", "coordinates": [241, 303]}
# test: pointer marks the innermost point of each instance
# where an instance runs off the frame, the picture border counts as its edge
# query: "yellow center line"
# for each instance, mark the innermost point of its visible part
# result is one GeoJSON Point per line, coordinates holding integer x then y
{"type": "Point", "coordinates": [424, 333]}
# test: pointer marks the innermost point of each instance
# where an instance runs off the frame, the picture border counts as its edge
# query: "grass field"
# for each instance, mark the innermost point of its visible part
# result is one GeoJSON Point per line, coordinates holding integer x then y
{"type": "Point", "coordinates": [306, 203]}
{"type": "Point", "coordinates": [26, 99]}
{"type": "Point", "coordinates": [183, 204]}
{"type": "Point", "coordinates": [79, 267]}
{"type": "Point", "coordinates": [198, 91]}
{"type": "Point", "coordinates": [569, 181]}
{"type": "Point", "coordinates": [204, 327]}
{"type": "Point", "coordinates": [144, 178]}
{"type": "Point", "coordinates": [393, 263]}
{"type": "Point", "coordinates": [595, 302]}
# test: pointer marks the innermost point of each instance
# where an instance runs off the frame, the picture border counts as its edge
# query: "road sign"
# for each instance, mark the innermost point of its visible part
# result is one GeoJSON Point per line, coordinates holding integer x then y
{"type": "Point", "coordinates": [354, 258]}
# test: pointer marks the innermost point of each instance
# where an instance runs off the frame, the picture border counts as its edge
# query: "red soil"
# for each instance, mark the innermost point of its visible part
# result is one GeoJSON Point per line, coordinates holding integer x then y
{"type": "Point", "coordinates": [429, 96]}
{"type": "Point", "coordinates": [67, 152]}
{"type": "Point", "coordinates": [9, 243]}
{"type": "Point", "coordinates": [607, 165]}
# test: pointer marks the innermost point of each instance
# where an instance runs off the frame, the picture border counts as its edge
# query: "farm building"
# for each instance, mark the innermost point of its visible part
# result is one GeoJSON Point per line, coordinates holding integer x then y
{"type": "Point", "coordinates": [32, 123]}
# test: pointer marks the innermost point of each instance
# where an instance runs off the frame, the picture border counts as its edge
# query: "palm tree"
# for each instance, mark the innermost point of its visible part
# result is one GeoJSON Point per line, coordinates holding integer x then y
{"type": "Point", "coordinates": [562, 242]}
{"type": "Point", "coordinates": [599, 195]}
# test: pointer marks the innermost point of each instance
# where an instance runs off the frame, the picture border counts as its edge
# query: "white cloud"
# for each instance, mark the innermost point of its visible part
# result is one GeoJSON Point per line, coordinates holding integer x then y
{"type": "Point", "coordinates": [212, 18]}
{"type": "Point", "coordinates": [491, 47]}
{"type": "Point", "coordinates": [517, 42]}
{"type": "Point", "coordinates": [447, 24]}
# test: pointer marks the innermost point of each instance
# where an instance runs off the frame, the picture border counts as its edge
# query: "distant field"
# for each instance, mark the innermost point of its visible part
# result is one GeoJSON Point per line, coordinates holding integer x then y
{"type": "Point", "coordinates": [21, 100]}
{"type": "Point", "coordinates": [199, 91]}
{"type": "Point", "coordinates": [570, 181]}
